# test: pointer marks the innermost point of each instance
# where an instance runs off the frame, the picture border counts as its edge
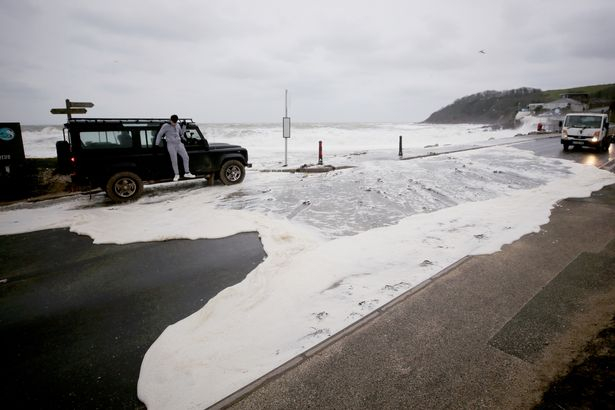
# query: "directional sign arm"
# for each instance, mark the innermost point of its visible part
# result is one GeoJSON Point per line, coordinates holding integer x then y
{"type": "Point", "coordinates": [68, 111]}
{"type": "Point", "coordinates": [74, 104]}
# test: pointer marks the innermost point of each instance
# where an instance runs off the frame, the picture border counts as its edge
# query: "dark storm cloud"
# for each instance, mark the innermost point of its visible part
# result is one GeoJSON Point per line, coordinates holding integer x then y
{"type": "Point", "coordinates": [230, 60]}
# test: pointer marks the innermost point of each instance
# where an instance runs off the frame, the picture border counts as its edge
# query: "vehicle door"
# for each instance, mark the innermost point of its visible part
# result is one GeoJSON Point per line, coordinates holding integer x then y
{"type": "Point", "coordinates": [198, 151]}
{"type": "Point", "coordinates": [154, 160]}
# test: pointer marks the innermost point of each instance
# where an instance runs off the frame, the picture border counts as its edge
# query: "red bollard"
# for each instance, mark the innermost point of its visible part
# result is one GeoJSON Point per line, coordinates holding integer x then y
{"type": "Point", "coordinates": [319, 152]}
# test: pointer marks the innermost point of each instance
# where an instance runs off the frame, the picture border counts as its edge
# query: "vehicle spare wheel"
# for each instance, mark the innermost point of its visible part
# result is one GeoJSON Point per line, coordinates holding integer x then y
{"type": "Point", "coordinates": [124, 186]}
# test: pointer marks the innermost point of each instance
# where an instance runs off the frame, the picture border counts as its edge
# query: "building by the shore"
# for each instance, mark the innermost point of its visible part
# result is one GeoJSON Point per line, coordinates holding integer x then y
{"type": "Point", "coordinates": [551, 114]}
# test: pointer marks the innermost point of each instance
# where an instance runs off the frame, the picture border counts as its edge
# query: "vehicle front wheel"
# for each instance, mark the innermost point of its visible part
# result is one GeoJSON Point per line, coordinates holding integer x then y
{"type": "Point", "coordinates": [566, 147]}
{"type": "Point", "coordinates": [232, 172]}
{"type": "Point", "coordinates": [124, 186]}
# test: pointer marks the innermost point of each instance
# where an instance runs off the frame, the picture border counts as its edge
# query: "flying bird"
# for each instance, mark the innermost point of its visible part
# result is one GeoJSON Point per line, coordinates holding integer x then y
{"type": "Point", "coordinates": [482, 51]}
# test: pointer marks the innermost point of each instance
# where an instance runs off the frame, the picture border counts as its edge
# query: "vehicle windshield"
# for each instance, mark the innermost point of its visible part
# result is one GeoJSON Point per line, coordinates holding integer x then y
{"type": "Point", "coordinates": [583, 121]}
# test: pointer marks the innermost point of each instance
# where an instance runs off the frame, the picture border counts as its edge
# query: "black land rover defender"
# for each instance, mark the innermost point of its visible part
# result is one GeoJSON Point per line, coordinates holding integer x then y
{"type": "Point", "coordinates": [118, 154]}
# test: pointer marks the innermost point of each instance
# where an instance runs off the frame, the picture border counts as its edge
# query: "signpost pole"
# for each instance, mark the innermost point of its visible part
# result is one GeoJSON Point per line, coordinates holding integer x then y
{"type": "Point", "coordinates": [285, 138]}
{"type": "Point", "coordinates": [286, 127]}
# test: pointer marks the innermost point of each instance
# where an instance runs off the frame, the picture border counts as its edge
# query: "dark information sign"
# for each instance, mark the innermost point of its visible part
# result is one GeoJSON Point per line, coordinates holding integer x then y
{"type": "Point", "coordinates": [11, 146]}
{"type": "Point", "coordinates": [12, 160]}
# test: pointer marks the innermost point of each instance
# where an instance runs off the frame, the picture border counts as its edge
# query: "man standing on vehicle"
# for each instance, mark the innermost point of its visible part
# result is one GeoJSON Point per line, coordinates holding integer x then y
{"type": "Point", "coordinates": [173, 133]}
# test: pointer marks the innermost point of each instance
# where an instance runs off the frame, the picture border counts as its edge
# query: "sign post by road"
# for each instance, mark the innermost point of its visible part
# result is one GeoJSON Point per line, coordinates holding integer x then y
{"type": "Point", "coordinates": [286, 127]}
{"type": "Point", "coordinates": [73, 107]}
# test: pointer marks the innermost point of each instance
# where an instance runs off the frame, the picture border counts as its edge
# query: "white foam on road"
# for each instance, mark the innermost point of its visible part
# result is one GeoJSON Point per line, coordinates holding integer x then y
{"type": "Point", "coordinates": [339, 245]}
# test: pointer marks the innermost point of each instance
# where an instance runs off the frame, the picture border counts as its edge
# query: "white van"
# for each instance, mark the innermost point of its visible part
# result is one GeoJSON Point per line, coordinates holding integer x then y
{"type": "Point", "coordinates": [586, 129]}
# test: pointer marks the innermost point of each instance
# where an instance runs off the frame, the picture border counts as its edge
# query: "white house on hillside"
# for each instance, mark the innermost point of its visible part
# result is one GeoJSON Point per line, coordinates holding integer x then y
{"type": "Point", "coordinates": [565, 103]}
{"type": "Point", "coordinates": [550, 114]}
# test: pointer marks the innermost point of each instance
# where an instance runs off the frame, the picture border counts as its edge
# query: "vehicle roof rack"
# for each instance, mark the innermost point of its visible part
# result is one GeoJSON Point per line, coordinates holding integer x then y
{"type": "Point", "coordinates": [125, 120]}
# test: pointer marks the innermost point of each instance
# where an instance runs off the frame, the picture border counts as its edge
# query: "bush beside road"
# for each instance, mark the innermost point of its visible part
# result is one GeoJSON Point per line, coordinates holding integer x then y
{"type": "Point", "coordinates": [38, 178]}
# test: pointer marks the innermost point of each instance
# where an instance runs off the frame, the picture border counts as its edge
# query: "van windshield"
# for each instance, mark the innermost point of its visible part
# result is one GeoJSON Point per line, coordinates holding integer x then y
{"type": "Point", "coordinates": [583, 121]}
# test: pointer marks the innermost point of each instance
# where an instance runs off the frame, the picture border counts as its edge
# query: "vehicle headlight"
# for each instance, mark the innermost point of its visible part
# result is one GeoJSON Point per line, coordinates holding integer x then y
{"type": "Point", "coordinates": [594, 139]}
{"type": "Point", "coordinates": [565, 134]}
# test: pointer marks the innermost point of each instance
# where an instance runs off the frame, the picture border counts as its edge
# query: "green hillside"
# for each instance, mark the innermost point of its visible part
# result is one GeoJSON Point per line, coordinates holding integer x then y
{"type": "Point", "coordinates": [604, 91]}
{"type": "Point", "coordinates": [500, 107]}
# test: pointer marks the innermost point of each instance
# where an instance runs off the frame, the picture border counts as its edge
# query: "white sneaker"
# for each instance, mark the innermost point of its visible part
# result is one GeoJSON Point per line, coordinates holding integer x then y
{"type": "Point", "coordinates": [176, 178]}
{"type": "Point", "coordinates": [189, 175]}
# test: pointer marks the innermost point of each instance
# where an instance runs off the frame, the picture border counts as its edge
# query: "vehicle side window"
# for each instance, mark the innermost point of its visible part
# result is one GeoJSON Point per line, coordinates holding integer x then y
{"type": "Point", "coordinates": [105, 139]}
{"type": "Point", "coordinates": [147, 138]}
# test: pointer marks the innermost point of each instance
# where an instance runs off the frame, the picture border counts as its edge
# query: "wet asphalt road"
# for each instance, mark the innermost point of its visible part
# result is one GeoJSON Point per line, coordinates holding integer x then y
{"type": "Point", "coordinates": [551, 147]}
{"type": "Point", "coordinates": [77, 318]}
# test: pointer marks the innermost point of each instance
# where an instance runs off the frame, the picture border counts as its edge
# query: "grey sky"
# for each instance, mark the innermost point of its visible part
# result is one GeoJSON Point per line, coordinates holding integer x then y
{"type": "Point", "coordinates": [231, 60]}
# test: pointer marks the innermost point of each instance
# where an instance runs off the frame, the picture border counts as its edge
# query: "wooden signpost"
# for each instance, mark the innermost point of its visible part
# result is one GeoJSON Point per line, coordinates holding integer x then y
{"type": "Point", "coordinates": [73, 107]}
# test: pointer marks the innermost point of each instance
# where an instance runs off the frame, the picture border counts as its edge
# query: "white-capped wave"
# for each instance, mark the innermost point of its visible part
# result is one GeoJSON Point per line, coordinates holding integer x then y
{"type": "Point", "coordinates": [265, 141]}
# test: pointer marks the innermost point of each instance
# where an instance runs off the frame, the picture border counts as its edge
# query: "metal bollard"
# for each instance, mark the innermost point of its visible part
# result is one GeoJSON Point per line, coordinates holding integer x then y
{"type": "Point", "coordinates": [401, 152]}
{"type": "Point", "coordinates": [319, 152]}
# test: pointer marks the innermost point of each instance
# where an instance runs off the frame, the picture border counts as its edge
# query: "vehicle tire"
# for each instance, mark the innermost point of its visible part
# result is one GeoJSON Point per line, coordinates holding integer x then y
{"type": "Point", "coordinates": [566, 146]}
{"type": "Point", "coordinates": [124, 186]}
{"type": "Point", "coordinates": [232, 172]}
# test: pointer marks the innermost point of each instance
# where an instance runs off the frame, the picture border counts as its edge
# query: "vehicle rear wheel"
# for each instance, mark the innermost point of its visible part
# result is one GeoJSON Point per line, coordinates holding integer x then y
{"type": "Point", "coordinates": [124, 186]}
{"type": "Point", "coordinates": [232, 172]}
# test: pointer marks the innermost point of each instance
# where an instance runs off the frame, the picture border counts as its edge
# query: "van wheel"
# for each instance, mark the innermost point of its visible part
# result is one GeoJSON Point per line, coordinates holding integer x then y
{"type": "Point", "coordinates": [232, 172]}
{"type": "Point", "coordinates": [124, 186]}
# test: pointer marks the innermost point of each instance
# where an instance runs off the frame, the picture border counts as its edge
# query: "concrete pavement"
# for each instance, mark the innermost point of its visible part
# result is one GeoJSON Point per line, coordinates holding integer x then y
{"type": "Point", "coordinates": [491, 331]}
